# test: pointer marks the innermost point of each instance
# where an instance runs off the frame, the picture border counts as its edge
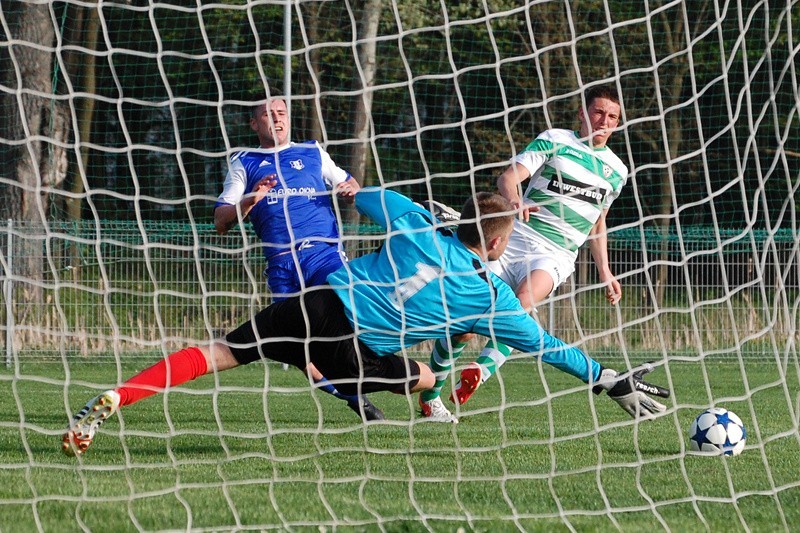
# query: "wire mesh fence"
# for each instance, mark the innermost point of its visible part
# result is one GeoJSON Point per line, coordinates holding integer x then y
{"type": "Point", "coordinates": [94, 289]}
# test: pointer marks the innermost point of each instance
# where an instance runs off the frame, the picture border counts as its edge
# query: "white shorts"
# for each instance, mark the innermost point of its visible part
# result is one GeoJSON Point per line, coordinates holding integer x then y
{"type": "Point", "coordinates": [524, 255]}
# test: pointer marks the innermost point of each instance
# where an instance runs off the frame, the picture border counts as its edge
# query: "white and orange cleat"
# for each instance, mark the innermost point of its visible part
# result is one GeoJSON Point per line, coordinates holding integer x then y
{"type": "Point", "coordinates": [435, 411]}
{"type": "Point", "coordinates": [84, 424]}
{"type": "Point", "coordinates": [467, 385]}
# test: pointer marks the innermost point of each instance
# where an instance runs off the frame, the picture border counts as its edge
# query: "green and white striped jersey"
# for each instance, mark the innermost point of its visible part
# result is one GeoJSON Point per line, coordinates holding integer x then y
{"type": "Point", "coordinates": [572, 184]}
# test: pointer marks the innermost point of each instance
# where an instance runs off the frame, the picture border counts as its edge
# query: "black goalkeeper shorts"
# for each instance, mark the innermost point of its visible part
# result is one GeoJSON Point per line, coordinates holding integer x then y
{"type": "Point", "coordinates": [313, 328]}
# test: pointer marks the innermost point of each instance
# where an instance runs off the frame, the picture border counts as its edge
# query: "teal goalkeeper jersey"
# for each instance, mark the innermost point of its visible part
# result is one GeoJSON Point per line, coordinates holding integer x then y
{"type": "Point", "coordinates": [423, 283]}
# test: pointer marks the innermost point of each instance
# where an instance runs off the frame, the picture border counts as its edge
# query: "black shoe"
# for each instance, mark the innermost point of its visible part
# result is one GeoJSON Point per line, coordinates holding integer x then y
{"type": "Point", "coordinates": [370, 411]}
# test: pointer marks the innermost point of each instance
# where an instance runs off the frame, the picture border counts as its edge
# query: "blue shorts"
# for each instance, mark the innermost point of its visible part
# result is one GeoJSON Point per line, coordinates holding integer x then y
{"type": "Point", "coordinates": [307, 266]}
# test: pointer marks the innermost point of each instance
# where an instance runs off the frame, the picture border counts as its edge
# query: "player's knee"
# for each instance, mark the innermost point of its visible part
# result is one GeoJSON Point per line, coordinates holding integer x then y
{"type": "Point", "coordinates": [218, 357]}
{"type": "Point", "coordinates": [463, 338]}
{"type": "Point", "coordinates": [426, 380]}
{"type": "Point", "coordinates": [311, 371]}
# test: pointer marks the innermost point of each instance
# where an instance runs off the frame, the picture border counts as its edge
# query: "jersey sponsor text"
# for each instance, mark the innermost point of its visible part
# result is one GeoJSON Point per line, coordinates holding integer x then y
{"type": "Point", "coordinates": [577, 190]}
{"type": "Point", "coordinates": [276, 194]}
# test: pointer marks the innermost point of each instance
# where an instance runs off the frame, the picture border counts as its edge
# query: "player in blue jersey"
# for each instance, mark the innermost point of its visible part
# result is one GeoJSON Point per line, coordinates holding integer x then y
{"type": "Point", "coordinates": [284, 188]}
{"type": "Point", "coordinates": [425, 282]}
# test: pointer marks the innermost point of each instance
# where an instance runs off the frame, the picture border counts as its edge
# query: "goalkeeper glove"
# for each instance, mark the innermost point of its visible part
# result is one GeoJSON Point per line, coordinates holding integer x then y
{"type": "Point", "coordinates": [631, 391]}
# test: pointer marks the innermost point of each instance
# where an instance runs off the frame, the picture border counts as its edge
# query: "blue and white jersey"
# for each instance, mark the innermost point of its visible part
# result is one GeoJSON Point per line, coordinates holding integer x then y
{"type": "Point", "coordinates": [299, 208]}
{"type": "Point", "coordinates": [423, 283]}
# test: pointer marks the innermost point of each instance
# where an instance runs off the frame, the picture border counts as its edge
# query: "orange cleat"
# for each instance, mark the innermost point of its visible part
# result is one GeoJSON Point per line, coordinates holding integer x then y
{"type": "Point", "coordinates": [467, 385]}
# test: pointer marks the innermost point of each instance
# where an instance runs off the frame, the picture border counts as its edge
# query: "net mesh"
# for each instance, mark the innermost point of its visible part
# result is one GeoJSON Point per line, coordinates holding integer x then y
{"type": "Point", "coordinates": [119, 122]}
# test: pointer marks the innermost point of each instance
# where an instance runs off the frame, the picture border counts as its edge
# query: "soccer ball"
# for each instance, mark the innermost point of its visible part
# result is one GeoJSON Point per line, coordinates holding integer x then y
{"type": "Point", "coordinates": [717, 431]}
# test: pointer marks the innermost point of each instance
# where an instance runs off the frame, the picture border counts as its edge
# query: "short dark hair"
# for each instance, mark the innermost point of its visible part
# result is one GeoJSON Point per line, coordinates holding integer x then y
{"type": "Point", "coordinates": [484, 217]}
{"type": "Point", "coordinates": [272, 94]}
{"type": "Point", "coordinates": [609, 92]}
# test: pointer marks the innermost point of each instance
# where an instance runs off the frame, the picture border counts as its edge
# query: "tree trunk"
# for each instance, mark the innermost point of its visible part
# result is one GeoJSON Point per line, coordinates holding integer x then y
{"type": "Point", "coordinates": [672, 87]}
{"type": "Point", "coordinates": [27, 71]}
{"type": "Point", "coordinates": [85, 112]}
{"type": "Point", "coordinates": [362, 108]}
{"type": "Point", "coordinates": [365, 80]}
{"type": "Point", "coordinates": [314, 117]}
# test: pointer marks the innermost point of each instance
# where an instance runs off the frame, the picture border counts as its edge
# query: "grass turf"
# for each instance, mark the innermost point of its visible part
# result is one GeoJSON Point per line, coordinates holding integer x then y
{"type": "Point", "coordinates": [534, 451]}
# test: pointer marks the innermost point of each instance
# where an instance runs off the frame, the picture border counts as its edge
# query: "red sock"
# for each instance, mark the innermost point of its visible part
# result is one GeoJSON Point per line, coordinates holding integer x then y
{"type": "Point", "coordinates": [181, 366]}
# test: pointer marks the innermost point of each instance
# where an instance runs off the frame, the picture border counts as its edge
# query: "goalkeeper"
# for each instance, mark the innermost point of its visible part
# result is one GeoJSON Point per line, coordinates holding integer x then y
{"type": "Point", "coordinates": [424, 283]}
{"type": "Point", "coordinates": [574, 179]}
{"type": "Point", "coordinates": [283, 187]}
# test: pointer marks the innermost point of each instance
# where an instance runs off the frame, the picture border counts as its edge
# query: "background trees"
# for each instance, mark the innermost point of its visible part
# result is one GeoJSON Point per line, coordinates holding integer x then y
{"type": "Point", "coordinates": [432, 99]}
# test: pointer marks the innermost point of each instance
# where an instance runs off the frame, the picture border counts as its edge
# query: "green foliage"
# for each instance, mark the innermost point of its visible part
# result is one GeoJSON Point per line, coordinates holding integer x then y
{"type": "Point", "coordinates": [534, 450]}
{"type": "Point", "coordinates": [459, 89]}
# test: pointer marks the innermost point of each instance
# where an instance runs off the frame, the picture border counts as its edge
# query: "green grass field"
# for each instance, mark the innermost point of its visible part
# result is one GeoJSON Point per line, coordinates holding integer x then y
{"type": "Point", "coordinates": [534, 451]}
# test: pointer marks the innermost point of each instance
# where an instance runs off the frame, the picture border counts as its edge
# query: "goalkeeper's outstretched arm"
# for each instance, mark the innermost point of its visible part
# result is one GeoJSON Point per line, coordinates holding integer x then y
{"type": "Point", "coordinates": [520, 331]}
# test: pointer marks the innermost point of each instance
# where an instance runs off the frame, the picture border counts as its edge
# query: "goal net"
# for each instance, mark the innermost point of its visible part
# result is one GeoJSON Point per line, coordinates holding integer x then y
{"type": "Point", "coordinates": [119, 123]}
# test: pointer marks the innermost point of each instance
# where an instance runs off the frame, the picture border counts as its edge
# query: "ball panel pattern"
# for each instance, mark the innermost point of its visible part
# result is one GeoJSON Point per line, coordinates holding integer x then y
{"type": "Point", "coordinates": [717, 430]}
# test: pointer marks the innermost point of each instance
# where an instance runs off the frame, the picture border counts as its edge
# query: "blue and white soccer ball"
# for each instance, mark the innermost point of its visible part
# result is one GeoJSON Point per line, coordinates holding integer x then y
{"type": "Point", "coordinates": [717, 431]}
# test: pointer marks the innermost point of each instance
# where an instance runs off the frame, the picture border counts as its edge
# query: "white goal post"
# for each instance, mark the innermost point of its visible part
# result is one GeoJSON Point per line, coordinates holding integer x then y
{"type": "Point", "coordinates": [119, 120]}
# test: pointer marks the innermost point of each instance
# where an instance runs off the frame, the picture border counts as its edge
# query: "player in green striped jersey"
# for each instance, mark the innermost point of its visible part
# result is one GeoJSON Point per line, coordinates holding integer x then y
{"type": "Point", "coordinates": [573, 178]}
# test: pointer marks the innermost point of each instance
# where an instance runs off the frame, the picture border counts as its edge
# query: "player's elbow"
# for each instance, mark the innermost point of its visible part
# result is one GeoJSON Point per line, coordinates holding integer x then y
{"type": "Point", "coordinates": [221, 225]}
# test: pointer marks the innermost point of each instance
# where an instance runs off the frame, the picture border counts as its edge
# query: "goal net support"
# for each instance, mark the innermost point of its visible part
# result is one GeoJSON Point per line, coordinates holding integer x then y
{"type": "Point", "coordinates": [119, 122]}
